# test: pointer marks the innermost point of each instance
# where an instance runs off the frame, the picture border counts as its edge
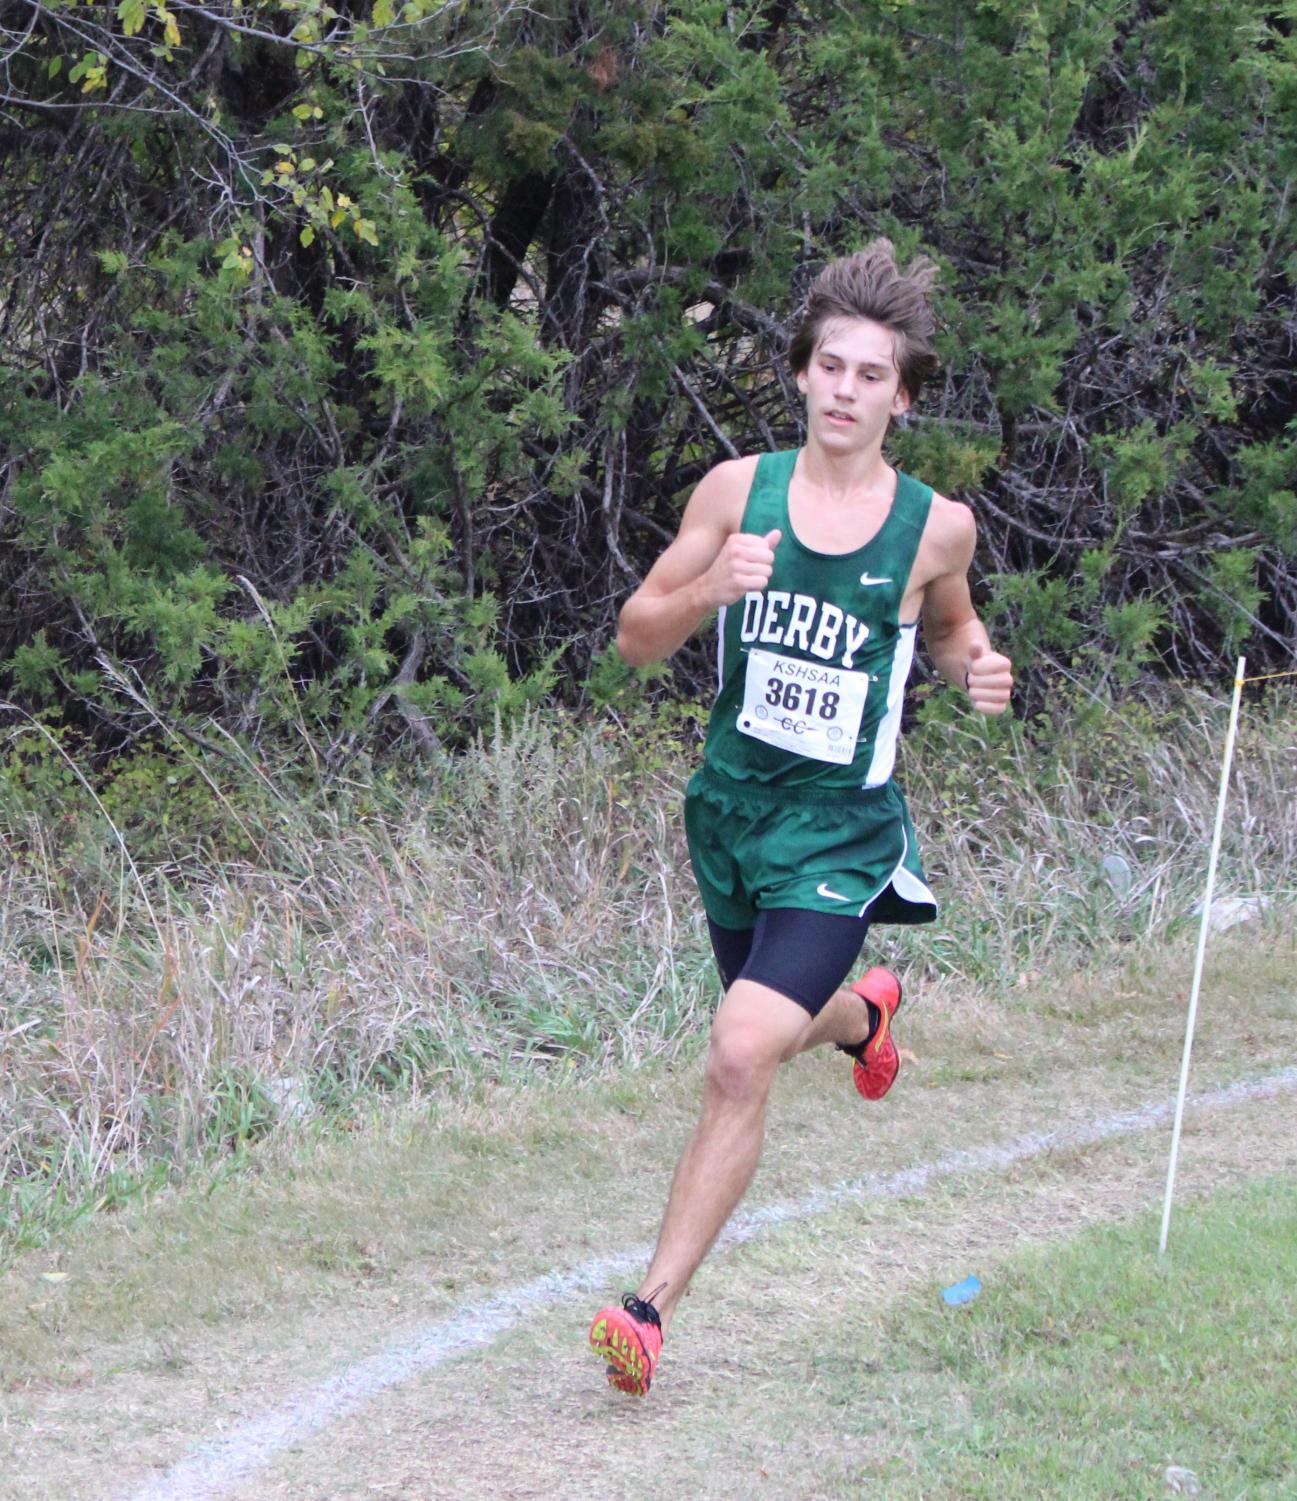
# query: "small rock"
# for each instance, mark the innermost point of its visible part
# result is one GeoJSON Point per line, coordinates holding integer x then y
{"type": "Point", "coordinates": [289, 1094]}
{"type": "Point", "coordinates": [1228, 911]}
{"type": "Point", "coordinates": [1182, 1482]}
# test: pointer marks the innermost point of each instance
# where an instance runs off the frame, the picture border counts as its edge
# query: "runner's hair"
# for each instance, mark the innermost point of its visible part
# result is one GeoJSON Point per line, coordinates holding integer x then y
{"type": "Point", "coordinates": [869, 284]}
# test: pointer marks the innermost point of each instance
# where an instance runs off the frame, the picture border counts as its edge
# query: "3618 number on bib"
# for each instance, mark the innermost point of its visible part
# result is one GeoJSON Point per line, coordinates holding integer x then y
{"type": "Point", "coordinates": [802, 707]}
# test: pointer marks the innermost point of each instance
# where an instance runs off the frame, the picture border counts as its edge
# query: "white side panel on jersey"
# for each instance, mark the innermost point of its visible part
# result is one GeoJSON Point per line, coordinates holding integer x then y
{"type": "Point", "coordinates": [889, 731]}
{"type": "Point", "coordinates": [720, 650]}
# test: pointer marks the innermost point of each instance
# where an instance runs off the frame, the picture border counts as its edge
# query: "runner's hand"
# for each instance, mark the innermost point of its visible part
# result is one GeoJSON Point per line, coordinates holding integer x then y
{"type": "Point", "coordinates": [743, 564]}
{"type": "Point", "coordinates": [989, 680]}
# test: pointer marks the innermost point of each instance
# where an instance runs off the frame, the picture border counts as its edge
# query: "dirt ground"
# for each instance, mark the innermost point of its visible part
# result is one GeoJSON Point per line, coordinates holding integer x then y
{"type": "Point", "coordinates": [220, 1345]}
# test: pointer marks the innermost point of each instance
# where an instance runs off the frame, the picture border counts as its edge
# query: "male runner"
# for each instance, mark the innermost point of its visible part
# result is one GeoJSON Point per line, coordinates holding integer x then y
{"type": "Point", "coordinates": [822, 562]}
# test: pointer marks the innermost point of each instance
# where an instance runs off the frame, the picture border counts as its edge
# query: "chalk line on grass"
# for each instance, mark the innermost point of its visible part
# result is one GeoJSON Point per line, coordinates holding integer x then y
{"type": "Point", "coordinates": [217, 1466]}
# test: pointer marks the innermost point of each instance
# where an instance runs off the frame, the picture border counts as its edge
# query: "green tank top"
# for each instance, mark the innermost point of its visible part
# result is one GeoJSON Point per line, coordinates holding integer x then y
{"type": "Point", "coordinates": [813, 668]}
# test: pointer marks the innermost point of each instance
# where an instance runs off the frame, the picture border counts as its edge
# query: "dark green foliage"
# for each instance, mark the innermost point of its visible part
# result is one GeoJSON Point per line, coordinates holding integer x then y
{"type": "Point", "coordinates": [352, 379]}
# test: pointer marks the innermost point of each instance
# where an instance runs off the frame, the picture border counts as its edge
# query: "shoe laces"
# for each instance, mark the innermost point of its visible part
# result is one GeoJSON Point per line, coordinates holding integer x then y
{"type": "Point", "coordinates": [642, 1308]}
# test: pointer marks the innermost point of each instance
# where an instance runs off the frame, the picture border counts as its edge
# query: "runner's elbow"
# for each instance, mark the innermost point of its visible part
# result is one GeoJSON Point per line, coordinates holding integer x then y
{"type": "Point", "coordinates": [634, 645]}
{"type": "Point", "coordinates": [639, 629]}
{"type": "Point", "coordinates": [631, 650]}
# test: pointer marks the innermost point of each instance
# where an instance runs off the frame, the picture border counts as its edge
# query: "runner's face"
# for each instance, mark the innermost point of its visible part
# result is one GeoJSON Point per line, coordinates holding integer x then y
{"type": "Point", "coordinates": [852, 386]}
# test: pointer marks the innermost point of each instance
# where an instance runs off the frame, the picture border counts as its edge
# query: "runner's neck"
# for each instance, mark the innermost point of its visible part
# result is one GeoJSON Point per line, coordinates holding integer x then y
{"type": "Point", "coordinates": [845, 478]}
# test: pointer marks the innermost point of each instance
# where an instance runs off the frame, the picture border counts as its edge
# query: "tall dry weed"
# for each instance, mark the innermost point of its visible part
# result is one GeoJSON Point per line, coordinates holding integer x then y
{"type": "Point", "coordinates": [529, 909]}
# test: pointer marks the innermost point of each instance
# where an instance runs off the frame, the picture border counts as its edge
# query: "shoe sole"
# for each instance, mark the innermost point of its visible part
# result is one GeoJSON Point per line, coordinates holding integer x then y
{"type": "Point", "coordinates": [859, 1073]}
{"type": "Point", "coordinates": [630, 1367]}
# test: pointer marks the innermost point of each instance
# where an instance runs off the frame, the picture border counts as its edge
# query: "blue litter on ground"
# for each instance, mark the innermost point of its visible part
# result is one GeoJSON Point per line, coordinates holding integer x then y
{"type": "Point", "coordinates": [962, 1292]}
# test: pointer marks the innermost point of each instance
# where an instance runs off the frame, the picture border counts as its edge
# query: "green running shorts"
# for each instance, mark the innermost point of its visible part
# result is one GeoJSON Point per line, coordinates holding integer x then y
{"type": "Point", "coordinates": [850, 851]}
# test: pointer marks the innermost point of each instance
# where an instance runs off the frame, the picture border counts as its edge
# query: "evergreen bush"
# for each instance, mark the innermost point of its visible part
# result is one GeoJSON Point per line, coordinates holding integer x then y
{"type": "Point", "coordinates": [358, 359]}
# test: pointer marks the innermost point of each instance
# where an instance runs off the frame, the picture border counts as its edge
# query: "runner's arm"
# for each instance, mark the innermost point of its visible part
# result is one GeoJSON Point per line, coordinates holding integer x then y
{"type": "Point", "coordinates": [956, 639]}
{"type": "Point", "coordinates": [710, 563]}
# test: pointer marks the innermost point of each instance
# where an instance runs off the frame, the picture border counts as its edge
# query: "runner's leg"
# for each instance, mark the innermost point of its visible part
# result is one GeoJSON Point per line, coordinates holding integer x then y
{"type": "Point", "coordinates": [791, 966]}
{"type": "Point", "coordinates": [781, 977]}
{"type": "Point", "coordinates": [845, 1020]}
{"type": "Point", "coordinates": [754, 1030]}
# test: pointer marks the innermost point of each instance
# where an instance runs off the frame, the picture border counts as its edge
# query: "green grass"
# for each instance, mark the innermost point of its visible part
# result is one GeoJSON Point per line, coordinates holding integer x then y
{"type": "Point", "coordinates": [1085, 1370]}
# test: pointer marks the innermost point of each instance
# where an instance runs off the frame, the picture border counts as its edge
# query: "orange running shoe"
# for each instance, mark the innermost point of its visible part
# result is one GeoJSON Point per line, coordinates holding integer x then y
{"type": "Point", "coordinates": [877, 1061]}
{"type": "Point", "coordinates": [629, 1338]}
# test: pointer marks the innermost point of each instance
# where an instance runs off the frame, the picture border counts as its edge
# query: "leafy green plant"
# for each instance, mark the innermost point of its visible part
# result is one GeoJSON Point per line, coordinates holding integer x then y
{"type": "Point", "coordinates": [339, 423]}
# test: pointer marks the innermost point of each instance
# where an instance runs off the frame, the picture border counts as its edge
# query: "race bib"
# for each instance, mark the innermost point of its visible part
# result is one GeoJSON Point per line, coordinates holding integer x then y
{"type": "Point", "coordinates": [803, 707]}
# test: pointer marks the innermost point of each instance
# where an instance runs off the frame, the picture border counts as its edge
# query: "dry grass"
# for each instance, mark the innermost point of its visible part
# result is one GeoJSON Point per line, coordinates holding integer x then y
{"type": "Point", "coordinates": [533, 913]}
{"type": "Point", "coordinates": [1016, 828]}
{"type": "Point", "coordinates": [429, 1203]}
{"type": "Point", "coordinates": [179, 1319]}
{"type": "Point", "coordinates": [530, 924]}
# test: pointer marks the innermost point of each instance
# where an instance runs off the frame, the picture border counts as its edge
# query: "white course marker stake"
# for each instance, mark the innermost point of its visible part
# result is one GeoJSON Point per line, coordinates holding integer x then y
{"type": "Point", "coordinates": [1203, 926]}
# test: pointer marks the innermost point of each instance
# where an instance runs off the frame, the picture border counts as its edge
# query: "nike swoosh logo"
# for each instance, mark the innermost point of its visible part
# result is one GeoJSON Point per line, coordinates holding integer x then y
{"type": "Point", "coordinates": [866, 580]}
{"type": "Point", "coordinates": [823, 890]}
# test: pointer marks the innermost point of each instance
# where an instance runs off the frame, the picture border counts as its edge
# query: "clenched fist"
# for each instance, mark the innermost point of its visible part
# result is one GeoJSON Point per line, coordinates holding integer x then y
{"type": "Point", "coordinates": [989, 680]}
{"type": "Point", "coordinates": [744, 563]}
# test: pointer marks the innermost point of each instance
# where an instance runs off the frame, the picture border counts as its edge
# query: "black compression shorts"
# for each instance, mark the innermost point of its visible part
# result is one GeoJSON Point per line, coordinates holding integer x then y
{"type": "Point", "coordinates": [803, 955]}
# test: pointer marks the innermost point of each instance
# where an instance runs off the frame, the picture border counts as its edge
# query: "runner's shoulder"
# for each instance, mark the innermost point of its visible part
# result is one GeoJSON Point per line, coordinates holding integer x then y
{"type": "Point", "coordinates": [951, 530]}
{"type": "Point", "coordinates": [722, 494]}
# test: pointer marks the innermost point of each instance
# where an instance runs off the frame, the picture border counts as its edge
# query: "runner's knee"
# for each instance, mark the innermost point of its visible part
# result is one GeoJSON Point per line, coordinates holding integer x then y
{"type": "Point", "coordinates": [741, 1061]}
